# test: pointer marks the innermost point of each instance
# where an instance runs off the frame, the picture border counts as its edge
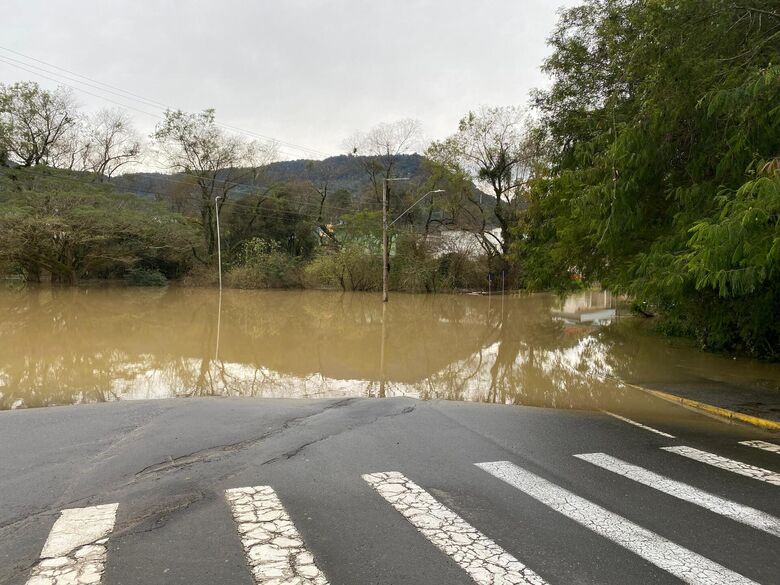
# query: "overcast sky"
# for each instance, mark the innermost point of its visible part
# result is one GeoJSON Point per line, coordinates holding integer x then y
{"type": "Point", "coordinates": [308, 72]}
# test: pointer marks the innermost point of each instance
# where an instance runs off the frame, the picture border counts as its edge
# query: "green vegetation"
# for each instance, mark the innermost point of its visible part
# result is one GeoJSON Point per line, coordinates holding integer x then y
{"type": "Point", "coordinates": [52, 224]}
{"type": "Point", "coordinates": [660, 178]}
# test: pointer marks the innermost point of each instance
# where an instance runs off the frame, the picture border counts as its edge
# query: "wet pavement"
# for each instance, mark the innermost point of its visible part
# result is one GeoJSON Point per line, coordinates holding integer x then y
{"type": "Point", "coordinates": [368, 491]}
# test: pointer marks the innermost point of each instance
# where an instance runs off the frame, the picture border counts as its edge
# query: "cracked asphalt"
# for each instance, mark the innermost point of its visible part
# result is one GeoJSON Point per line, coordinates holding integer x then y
{"type": "Point", "coordinates": [168, 464]}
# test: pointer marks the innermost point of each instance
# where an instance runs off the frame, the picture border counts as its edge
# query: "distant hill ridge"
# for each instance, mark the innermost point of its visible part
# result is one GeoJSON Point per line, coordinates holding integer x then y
{"type": "Point", "coordinates": [341, 172]}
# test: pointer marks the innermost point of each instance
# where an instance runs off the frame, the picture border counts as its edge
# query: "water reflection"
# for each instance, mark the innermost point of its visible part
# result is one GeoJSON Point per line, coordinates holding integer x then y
{"type": "Point", "coordinates": [62, 346]}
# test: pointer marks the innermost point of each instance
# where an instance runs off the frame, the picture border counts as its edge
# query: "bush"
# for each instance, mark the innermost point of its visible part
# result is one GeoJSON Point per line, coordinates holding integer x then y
{"type": "Point", "coordinates": [145, 277]}
{"type": "Point", "coordinates": [351, 267]}
{"type": "Point", "coordinates": [263, 264]}
{"type": "Point", "coordinates": [414, 267]}
{"type": "Point", "coordinates": [459, 271]}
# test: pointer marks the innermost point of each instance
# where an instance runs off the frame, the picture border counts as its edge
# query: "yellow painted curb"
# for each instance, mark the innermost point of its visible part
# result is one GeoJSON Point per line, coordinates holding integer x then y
{"type": "Point", "coordinates": [716, 410]}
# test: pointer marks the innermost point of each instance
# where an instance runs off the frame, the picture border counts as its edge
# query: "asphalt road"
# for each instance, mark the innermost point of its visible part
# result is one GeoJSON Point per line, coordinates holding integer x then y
{"type": "Point", "coordinates": [553, 517]}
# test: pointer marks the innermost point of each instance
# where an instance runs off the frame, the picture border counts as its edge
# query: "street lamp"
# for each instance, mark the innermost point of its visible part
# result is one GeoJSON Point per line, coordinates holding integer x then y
{"type": "Point", "coordinates": [385, 239]}
{"type": "Point", "coordinates": [408, 209]}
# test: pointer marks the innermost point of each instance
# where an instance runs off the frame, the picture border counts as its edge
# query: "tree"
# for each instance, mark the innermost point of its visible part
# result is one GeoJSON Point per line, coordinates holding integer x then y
{"type": "Point", "coordinates": [490, 146]}
{"type": "Point", "coordinates": [99, 144]}
{"type": "Point", "coordinates": [219, 162]}
{"type": "Point", "coordinates": [661, 181]}
{"type": "Point", "coordinates": [379, 149]}
{"type": "Point", "coordinates": [111, 143]}
{"type": "Point", "coordinates": [33, 121]}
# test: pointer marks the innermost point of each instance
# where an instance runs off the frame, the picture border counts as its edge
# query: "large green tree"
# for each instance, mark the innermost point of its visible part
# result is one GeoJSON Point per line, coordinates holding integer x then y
{"type": "Point", "coordinates": [663, 128]}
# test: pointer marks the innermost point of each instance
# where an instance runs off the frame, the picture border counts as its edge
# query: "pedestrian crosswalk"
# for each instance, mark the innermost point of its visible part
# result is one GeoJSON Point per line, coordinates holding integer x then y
{"type": "Point", "coordinates": [76, 551]}
{"type": "Point", "coordinates": [684, 564]}
{"type": "Point", "coordinates": [480, 557]}
{"type": "Point", "coordinates": [766, 446]}
{"type": "Point", "coordinates": [274, 549]}
{"type": "Point", "coordinates": [745, 469]}
{"type": "Point", "coordinates": [683, 491]}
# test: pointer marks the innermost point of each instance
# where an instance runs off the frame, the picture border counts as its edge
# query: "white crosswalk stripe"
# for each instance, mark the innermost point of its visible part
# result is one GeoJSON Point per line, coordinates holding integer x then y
{"type": "Point", "coordinates": [684, 564]}
{"type": "Point", "coordinates": [762, 445]}
{"type": "Point", "coordinates": [75, 551]}
{"type": "Point", "coordinates": [485, 561]}
{"type": "Point", "coordinates": [689, 493]}
{"type": "Point", "coordinates": [728, 464]}
{"type": "Point", "coordinates": [640, 425]}
{"type": "Point", "coordinates": [274, 549]}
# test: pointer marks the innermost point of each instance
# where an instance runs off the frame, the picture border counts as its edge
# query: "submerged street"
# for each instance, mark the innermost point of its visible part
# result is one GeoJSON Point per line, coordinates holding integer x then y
{"type": "Point", "coordinates": [354, 491]}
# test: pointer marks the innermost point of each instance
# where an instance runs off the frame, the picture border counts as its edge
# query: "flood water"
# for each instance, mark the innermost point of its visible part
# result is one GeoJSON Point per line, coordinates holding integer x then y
{"type": "Point", "coordinates": [79, 345]}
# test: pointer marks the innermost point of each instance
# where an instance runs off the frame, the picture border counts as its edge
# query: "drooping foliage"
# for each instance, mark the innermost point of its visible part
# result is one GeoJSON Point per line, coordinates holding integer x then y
{"type": "Point", "coordinates": [53, 224]}
{"type": "Point", "coordinates": [663, 132]}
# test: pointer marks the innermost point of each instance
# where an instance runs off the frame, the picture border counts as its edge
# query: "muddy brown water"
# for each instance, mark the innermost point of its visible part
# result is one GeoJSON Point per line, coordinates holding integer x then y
{"type": "Point", "coordinates": [79, 345]}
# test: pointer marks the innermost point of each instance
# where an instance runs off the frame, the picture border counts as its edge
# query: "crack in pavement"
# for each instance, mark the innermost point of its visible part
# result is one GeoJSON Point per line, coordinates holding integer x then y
{"type": "Point", "coordinates": [219, 451]}
{"type": "Point", "coordinates": [161, 513]}
{"type": "Point", "coordinates": [294, 452]}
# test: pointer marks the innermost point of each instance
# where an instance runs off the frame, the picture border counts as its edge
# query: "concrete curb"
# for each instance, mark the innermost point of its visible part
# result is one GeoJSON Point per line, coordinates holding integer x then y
{"type": "Point", "coordinates": [717, 411]}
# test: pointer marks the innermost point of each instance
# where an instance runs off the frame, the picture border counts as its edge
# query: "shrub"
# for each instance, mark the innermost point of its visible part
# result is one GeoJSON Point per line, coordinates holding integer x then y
{"type": "Point", "coordinates": [414, 267]}
{"type": "Point", "coordinates": [263, 264]}
{"type": "Point", "coordinates": [351, 267]}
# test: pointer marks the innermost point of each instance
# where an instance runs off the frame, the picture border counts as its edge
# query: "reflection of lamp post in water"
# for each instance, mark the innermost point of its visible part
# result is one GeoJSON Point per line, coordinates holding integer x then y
{"type": "Point", "coordinates": [382, 353]}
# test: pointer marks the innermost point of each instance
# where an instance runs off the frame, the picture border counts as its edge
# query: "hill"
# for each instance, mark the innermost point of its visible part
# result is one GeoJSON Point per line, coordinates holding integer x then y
{"type": "Point", "coordinates": [340, 172]}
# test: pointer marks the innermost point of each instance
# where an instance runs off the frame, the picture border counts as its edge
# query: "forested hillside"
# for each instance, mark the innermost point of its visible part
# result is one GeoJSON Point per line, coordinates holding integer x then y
{"type": "Point", "coordinates": [341, 172]}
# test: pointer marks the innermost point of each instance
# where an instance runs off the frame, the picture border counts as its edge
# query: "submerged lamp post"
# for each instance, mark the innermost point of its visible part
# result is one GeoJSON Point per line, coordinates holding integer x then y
{"type": "Point", "coordinates": [385, 237]}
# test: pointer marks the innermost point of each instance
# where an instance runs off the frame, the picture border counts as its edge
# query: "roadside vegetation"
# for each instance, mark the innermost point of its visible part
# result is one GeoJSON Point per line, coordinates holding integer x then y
{"type": "Point", "coordinates": [651, 166]}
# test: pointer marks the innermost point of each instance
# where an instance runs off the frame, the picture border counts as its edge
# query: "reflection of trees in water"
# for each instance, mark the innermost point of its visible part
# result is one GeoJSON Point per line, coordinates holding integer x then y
{"type": "Point", "coordinates": [60, 346]}
{"type": "Point", "coordinates": [42, 363]}
{"type": "Point", "coordinates": [530, 360]}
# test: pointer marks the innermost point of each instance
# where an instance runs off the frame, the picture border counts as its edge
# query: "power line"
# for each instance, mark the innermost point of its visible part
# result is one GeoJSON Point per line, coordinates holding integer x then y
{"type": "Point", "coordinates": [95, 84]}
{"type": "Point", "coordinates": [137, 97]}
{"type": "Point", "coordinates": [3, 59]}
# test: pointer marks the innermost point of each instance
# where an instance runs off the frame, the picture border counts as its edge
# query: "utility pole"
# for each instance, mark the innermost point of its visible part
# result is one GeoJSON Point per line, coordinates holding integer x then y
{"type": "Point", "coordinates": [219, 242]}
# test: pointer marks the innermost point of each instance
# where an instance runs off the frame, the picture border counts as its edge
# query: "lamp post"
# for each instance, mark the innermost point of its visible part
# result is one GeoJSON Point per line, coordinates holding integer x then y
{"type": "Point", "coordinates": [219, 242]}
{"type": "Point", "coordinates": [385, 238]}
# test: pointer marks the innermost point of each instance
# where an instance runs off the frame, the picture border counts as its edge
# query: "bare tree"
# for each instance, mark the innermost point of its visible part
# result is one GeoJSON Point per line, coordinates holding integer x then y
{"type": "Point", "coordinates": [34, 121]}
{"type": "Point", "coordinates": [218, 162]}
{"type": "Point", "coordinates": [490, 145]}
{"type": "Point", "coordinates": [111, 142]}
{"type": "Point", "coordinates": [380, 148]}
